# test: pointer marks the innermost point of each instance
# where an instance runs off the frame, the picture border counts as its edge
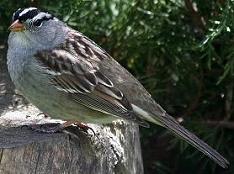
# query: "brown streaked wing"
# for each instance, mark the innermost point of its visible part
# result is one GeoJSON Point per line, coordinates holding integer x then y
{"type": "Point", "coordinates": [78, 75]}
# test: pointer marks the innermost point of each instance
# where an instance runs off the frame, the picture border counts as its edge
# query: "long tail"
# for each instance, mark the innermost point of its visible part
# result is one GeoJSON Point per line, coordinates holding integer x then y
{"type": "Point", "coordinates": [172, 125]}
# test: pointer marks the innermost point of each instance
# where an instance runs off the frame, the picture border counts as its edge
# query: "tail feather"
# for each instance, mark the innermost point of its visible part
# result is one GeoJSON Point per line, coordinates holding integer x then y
{"type": "Point", "coordinates": [167, 121]}
{"type": "Point", "coordinates": [171, 124]}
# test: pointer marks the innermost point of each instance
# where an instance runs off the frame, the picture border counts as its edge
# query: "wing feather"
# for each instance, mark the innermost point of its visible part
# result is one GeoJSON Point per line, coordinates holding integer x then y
{"type": "Point", "coordinates": [74, 68]}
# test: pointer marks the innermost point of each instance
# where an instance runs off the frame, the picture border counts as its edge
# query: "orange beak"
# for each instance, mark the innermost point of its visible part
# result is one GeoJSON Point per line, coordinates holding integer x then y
{"type": "Point", "coordinates": [16, 26]}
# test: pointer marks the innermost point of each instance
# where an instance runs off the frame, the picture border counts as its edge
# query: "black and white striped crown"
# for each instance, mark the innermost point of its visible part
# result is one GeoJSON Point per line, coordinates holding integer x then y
{"type": "Point", "coordinates": [31, 13]}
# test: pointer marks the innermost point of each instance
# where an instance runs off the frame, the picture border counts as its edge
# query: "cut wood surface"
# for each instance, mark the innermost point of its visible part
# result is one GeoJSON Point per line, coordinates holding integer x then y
{"type": "Point", "coordinates": [114, 149]}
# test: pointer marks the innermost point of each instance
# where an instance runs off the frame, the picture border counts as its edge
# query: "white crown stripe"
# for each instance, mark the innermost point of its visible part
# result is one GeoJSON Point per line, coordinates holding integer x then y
{"type": "Point", "coordinates": [27, 10]}
{"type": "Point", "coordinates": [41, 15]}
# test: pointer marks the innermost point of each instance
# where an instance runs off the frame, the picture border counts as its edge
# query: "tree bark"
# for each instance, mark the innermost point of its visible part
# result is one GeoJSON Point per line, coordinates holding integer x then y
{"type": "Point", "coordinates": [114, 149]}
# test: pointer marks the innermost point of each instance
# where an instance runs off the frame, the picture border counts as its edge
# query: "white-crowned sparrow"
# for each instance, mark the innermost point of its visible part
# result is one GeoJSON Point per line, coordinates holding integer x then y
{"type": "Point", "coordinates": [68, 76]}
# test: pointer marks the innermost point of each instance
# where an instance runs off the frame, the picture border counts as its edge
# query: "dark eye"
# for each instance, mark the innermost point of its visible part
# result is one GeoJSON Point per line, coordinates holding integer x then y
{"type": "Point", "coordinates": [37, 23]}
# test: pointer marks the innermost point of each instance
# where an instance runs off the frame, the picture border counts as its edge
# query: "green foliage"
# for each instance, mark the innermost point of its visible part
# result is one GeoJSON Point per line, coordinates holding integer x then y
{"type": "Point", "coordinates": [183, 54]}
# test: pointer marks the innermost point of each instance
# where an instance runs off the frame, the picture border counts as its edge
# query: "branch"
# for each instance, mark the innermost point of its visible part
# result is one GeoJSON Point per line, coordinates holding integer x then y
{"type": "Point", "coordinates": [224, 124]}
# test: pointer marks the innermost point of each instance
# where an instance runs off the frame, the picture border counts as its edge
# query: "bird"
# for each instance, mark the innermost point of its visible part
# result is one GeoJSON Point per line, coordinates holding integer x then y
{"type": "Point", "coordinates": [68, 76]}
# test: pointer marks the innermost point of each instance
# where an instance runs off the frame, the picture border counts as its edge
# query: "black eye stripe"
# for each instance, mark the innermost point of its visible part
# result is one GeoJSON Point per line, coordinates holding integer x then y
{"type": "Point", "coordinates": [38, 22]}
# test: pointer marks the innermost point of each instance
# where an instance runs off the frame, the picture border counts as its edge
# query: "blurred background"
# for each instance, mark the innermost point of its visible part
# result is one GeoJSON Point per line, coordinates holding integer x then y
{"type": "Point", "coordinates": [182, 51]}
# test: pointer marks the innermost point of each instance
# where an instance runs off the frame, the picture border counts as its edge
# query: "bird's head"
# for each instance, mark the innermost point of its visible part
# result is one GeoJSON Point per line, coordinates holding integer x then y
{"type": "Point", "coordinates": [31, 19]}
{"type": "Point", "coordinates": [32, 25]}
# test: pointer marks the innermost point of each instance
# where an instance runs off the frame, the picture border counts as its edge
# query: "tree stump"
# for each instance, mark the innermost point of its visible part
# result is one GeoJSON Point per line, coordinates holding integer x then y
{"type": "Point", "coordinates": [114, 149]}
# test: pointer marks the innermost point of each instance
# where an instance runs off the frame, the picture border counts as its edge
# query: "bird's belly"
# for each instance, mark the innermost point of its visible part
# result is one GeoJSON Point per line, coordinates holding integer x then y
{"type": "Point", "coordinates": [55, 103]}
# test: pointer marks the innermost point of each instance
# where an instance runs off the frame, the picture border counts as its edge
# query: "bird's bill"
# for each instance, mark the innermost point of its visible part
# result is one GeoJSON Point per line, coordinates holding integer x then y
{"type": "Point", "coordinates": [16, 26]}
